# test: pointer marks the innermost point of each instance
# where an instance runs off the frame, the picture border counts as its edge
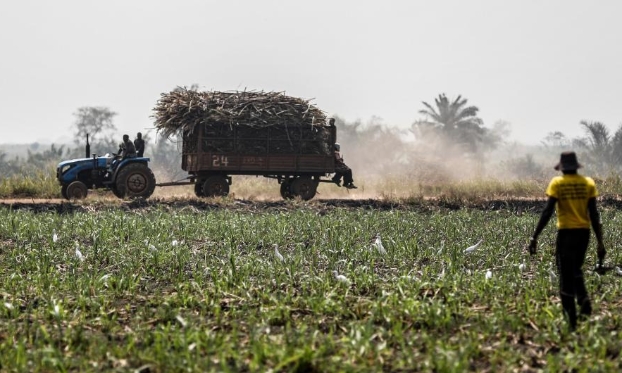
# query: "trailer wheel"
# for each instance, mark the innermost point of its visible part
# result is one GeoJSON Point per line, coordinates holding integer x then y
{"type": "Point", "coordinates": [215, 186]}
{"type": "Point", "coordinates": [286, 189]}
{"type": "Point", "coordinates": [77, 190]}
{"type": "Point", "coordinates": [198, 188]}
{"type": "Point", "coordinates": [135, 180]}
{"type": "Point", "coordinates": [304, 187]}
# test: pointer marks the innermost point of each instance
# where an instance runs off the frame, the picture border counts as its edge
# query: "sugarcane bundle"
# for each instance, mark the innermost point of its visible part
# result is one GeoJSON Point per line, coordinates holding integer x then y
{"type": "Point", "coordinates": [183, 110]}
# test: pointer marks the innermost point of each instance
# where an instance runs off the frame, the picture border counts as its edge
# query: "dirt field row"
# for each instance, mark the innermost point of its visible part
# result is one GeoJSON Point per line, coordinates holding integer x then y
{"type": "Point", "coordinates": [321, 205]}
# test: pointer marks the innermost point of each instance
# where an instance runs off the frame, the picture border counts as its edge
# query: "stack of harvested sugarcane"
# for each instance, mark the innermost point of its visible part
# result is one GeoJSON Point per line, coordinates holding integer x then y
{"type": "Point", "coordinates": [251, 117]}
{"type": "Point", "coordinates": [251, 114]}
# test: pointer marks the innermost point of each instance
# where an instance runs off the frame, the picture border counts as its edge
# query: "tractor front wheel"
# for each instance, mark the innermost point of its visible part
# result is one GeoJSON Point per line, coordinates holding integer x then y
{"type": "Point", "coordinates": [63, 191]}
{"type": "Point", "coordinates": [76, 190]}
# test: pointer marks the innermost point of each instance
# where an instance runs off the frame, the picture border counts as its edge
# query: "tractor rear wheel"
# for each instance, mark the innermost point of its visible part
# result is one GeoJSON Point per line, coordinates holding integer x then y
{"type": "Point", "coordinates": [135, 180]}
{"type": "Point", "coordinates": [77, 190]}
{"type": "Point", "coordinates": [304, 187]}
{"type": "Point", "coordinates": [215, 186]}
{"type": "Point", "coordinates": [114, 190]}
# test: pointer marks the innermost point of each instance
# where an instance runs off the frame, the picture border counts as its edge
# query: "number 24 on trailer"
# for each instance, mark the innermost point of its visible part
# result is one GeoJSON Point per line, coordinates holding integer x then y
{"type": "Point", "coordinates": [220, 160]}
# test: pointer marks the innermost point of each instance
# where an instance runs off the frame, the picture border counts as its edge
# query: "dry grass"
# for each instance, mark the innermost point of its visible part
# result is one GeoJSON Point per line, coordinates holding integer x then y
{"type": "Point", "coordinates": [389, 187]}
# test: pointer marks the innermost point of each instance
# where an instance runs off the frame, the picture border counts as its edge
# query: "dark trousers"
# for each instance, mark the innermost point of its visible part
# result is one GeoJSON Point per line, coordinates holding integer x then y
{"type": "Point", "coordinates": [570, 253]}
{"type": "Point", "coordinates": [345, 172]}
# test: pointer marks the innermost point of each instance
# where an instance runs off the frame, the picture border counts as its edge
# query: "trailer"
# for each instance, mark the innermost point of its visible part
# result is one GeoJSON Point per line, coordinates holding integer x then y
{"type": "Point", "coordinates": [249, 133]}
{"type": "Point", "coordinates": [216, 152]}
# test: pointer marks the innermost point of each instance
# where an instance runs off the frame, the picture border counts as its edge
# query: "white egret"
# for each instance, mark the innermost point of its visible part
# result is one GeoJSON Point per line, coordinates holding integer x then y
{"type": "Point", "coordinates": [377, 243]}
{"type": "Point", "coordinates": [488, 274]}
{"type": "Point", "coordinates": [340, 278]}
{"type": "Point", "coordinates": [470, 249]}
{"type": "Point", "coordinates": [79, 253]}
{"type": "Point", "coordinates": [54, 236]}
{"type": "Point", "coordinates": [181, 320]}
{"type": "Point", "coordinates": [277, 254]}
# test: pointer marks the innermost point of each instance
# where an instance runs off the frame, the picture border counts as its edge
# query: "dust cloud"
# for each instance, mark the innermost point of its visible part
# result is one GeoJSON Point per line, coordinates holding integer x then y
{"type": "Point", "coordinates": [394, 163]}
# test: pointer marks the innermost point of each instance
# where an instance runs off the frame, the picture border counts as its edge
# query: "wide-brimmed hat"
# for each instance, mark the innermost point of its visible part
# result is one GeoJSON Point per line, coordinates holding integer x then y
{"type": "Point", "coordinates": [568, 162]}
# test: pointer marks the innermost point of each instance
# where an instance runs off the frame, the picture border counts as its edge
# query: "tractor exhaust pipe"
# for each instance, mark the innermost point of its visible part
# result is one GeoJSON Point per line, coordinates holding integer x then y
{"type": "Point", "coordinates": [88, 147]}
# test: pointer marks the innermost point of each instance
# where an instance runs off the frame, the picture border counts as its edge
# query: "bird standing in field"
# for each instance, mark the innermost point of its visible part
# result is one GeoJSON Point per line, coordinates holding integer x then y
{"type": "Point", "coordinates": [340, 278]}
{"type": "Point", "coordinates": [377, 243]}
{"type": "Point", "coordinates": [470, 249]}
{"type": "Point", "coordinates": [488, 274]}
{"type": "Point", "coordinates": [79, 253]}
{"type": "Point", "coordinates": [277, 254]}
{"type": "Point", "coordinates": [54, 236]}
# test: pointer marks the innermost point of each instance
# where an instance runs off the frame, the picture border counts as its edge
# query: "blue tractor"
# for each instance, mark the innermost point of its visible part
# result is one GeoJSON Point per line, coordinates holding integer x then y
{"type": "Point", "coordinates": [126, 178]}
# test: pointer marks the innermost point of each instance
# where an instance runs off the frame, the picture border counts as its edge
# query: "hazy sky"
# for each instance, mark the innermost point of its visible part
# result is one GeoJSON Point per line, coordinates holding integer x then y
{"type": "Point", "coordinates": [541, 65]}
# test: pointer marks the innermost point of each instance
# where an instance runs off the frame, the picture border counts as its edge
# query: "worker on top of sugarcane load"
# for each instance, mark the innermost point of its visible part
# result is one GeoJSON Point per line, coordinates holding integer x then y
{"type": "Point", "coordinates": [574, 197]}
{"type": "Point", "coordinates": [342, 170]}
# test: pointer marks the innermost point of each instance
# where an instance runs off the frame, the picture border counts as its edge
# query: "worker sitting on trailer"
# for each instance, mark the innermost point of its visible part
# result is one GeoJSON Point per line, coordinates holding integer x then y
{"type": "Point", "coordinates": [342, 170]}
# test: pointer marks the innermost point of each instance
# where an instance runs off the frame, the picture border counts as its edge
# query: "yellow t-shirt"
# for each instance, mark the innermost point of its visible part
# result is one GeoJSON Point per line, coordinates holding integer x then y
{"type": "Point", "coordinates": [572, 192]}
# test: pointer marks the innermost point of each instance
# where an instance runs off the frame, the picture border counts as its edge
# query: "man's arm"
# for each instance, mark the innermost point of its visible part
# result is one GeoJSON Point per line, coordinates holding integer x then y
{"type": "Point", "coordinates": [597, 227]}
{"type": "Point", "coordinates": [338, 157]}
{"type": "Point", "coordinates": [544, 219]}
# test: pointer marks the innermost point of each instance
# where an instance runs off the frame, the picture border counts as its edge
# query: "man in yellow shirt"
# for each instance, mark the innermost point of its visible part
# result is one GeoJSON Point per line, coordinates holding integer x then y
{"type": "Point", "coordinates": [574, 198]}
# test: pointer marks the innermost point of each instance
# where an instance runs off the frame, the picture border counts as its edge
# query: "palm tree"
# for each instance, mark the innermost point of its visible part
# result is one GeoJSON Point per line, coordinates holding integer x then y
{"type": "Point", "coordinates": [455, 120]}
{"type": "Point", "coordinates": [604, 152]}
{"type": "Point", "coordinates": [598, 135]}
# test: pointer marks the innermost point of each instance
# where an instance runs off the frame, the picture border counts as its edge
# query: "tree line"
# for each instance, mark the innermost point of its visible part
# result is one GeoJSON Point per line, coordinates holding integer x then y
{"type": "Point", "coordinates": [448, 135]}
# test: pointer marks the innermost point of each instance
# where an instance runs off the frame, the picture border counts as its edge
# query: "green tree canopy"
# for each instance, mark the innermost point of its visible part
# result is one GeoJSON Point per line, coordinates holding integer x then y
{"type": "Point", "coordinates": [98, 123]}
{"type": "Point", "coordinates": [454, 121]}
{"type": "Point", "coordinates": [603, 151]}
